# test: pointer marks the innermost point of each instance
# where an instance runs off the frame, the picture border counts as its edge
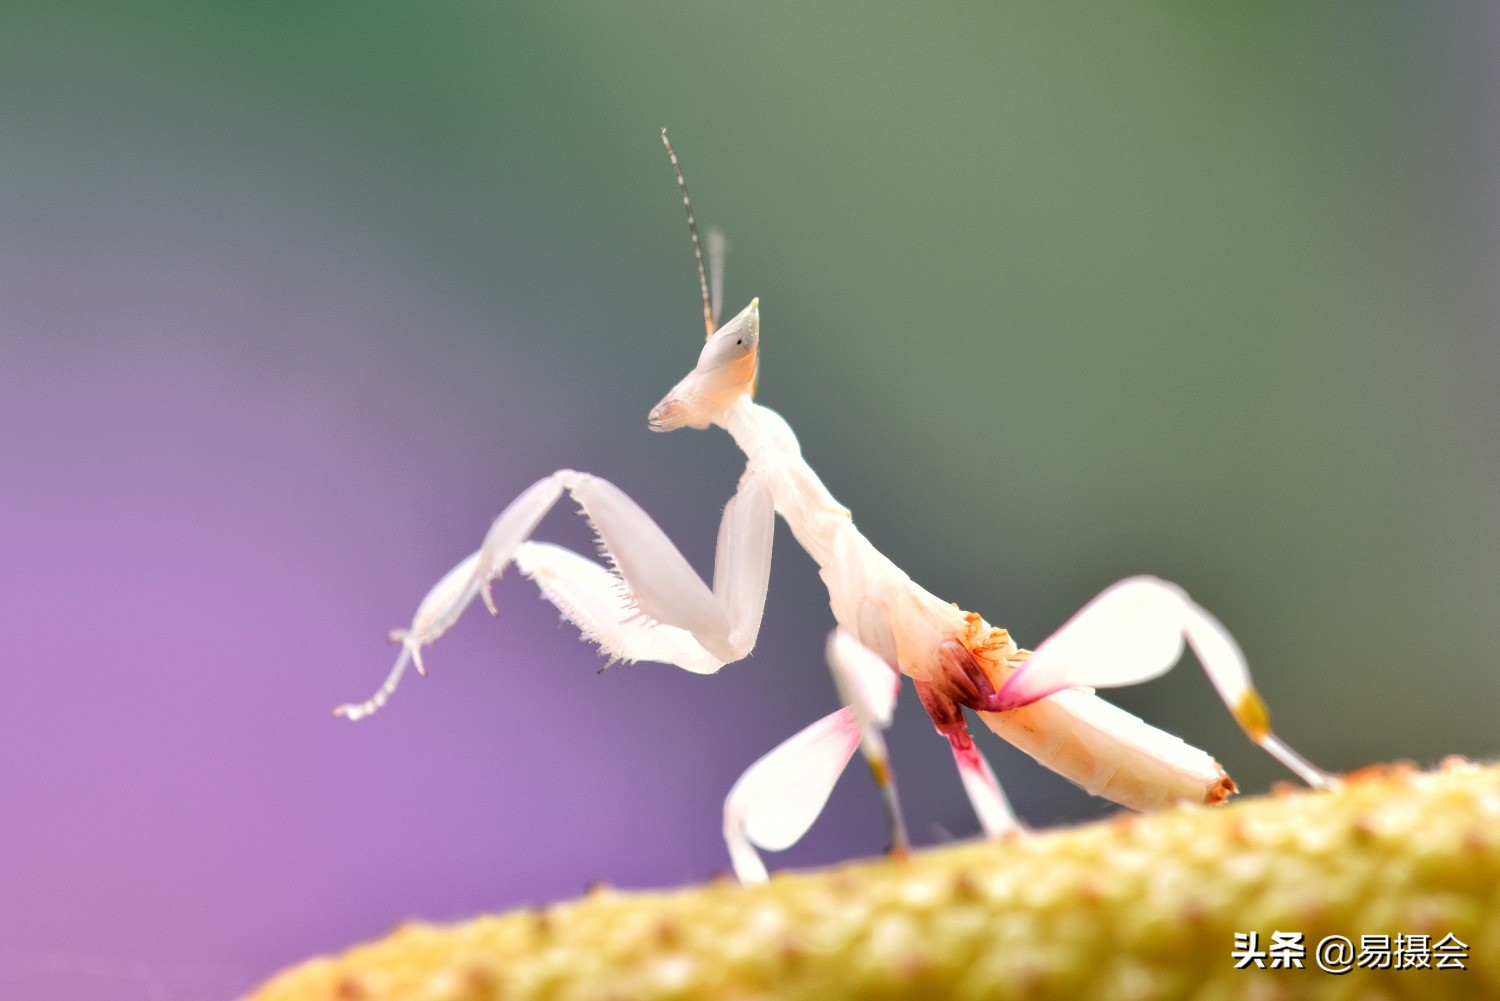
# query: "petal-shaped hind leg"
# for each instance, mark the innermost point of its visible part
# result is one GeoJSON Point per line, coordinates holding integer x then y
{"type": "Point", "coordinates": [1133, 631]}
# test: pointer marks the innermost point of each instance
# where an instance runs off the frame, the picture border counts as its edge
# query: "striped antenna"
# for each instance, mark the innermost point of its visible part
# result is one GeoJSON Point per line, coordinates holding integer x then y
{"type": "Point", "coordinates": [708, 311]}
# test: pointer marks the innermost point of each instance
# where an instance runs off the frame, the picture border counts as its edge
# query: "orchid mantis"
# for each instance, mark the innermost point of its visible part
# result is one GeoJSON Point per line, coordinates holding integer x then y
{"type": "Point", "coordinates": [650, 604]}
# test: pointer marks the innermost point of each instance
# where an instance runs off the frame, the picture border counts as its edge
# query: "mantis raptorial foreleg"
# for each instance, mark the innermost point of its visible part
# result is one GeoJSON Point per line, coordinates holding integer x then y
{"type": "Point", "coordinates": [651, 605]}
{"type": "Point", "coordinates": [591, 597]}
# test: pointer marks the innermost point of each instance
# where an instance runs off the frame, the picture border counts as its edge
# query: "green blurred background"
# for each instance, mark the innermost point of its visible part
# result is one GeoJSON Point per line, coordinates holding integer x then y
{"type": "Point", "coordinates": [1052, 294]}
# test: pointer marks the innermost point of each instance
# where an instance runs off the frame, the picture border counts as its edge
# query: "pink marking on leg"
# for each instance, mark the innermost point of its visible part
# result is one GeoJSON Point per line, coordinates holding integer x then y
{"type": "Point", "coordinates": [968, 684]}
{"type": "Point", "coordinates": [967, 755]}
{"type": "Point", "coordinates": [947, 718]}
{"type": "Point", "coordinates": [963, 678]}
{"type": "Point", "coordinates": [984, 793]}
{"type": "Point", "coordinates": [1011, 696]}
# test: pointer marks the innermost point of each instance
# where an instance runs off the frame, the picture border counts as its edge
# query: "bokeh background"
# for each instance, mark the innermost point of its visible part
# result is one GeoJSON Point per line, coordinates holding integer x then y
{"type": "Point", "coordinates": [294, 298]}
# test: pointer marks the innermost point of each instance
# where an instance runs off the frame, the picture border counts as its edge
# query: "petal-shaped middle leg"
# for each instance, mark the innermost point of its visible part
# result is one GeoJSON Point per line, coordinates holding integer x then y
{"type": "Point", "coordinates": [869, 686]}
{"type": "Point", "coordinates": [777, 798]}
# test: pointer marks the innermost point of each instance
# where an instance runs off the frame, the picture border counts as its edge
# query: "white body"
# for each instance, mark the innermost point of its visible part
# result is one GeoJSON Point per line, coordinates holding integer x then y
{"type": "Point", "coordinates": [649, 604]}
{"type": "Point", "coordinates": [1101, 747]}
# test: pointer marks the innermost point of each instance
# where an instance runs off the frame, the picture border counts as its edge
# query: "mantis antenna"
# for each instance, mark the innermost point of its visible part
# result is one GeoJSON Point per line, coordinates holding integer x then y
{"type": "Point", "coordinates": [710, 320]}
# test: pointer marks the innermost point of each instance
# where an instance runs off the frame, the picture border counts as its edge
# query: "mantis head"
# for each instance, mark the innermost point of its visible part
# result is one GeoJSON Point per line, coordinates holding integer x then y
{"type": "Point", "coordinates": [725, 372]}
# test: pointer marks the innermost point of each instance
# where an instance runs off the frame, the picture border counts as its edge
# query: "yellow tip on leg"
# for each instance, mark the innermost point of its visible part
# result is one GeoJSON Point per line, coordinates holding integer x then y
{"type": "Point", "coordinates": [1251, 714]}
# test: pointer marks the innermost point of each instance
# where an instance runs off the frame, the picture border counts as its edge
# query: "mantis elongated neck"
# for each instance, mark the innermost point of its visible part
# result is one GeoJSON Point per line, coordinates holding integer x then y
{"type": "Point", "coordinates": [770, 447]}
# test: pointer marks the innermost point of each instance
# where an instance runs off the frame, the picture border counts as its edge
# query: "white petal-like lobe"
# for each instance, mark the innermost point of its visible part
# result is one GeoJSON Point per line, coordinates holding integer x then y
{"type": "Point", "coordinates": [1219, 654]}
{"type": "Point", "coordinates": [777, 799]}
{"type": "Point", "coordinates": [1131, 632]}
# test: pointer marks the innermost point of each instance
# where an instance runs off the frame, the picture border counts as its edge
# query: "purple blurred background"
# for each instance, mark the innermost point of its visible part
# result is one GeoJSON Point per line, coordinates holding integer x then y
{"type": "Point", "coordinates": [292, 303]}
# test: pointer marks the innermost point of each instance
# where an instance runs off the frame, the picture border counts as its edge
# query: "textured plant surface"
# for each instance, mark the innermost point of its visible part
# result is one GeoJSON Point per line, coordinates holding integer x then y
{"type": "Point", "coordinates": [1139, 907]}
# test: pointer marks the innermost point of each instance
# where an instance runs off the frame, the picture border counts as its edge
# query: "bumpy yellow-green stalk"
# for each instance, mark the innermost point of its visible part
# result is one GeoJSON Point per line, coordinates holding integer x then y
{"type": "Point", "coordinates": [1136, 908]}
